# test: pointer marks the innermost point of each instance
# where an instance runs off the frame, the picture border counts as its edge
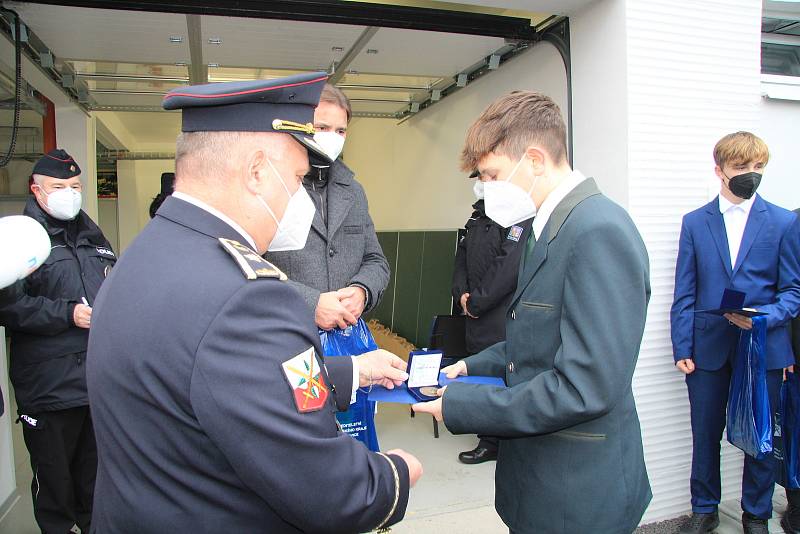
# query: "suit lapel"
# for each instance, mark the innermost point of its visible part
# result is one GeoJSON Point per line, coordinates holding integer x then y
{"type": "Point", "coordinates": [716, 225]}
{"type": "Point", "coordinates": [582, 191]}
{"type": "Point", "coordinates": [757, 218]}
{"type": "Point", "coordinates": [319, 225]}
{"type": "Point", "coordinates": [340, 200]}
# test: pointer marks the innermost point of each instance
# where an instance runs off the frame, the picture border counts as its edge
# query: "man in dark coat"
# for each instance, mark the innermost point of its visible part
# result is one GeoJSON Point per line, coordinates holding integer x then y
{"type": "Point", "coordinates": [214, 410]}
{"type": "Point", "coordinates": [49, 327]}
{"type": "Point", "coordinates": [341, 271]}
{"type": "Point", "coordinates": [484, 280]}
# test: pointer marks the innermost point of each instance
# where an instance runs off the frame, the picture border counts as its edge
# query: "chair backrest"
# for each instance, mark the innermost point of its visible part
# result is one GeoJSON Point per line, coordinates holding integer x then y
{"type": "Point", "coordinates": [448, 335]}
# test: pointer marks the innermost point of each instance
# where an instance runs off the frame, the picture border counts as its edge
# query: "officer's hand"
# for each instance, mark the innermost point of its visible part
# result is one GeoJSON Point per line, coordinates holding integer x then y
{"type": "Point", "coordinates": [381, 367]}
{"type": "Point", "coordinates": [457, 369]}
{"type": "Point", "coordinates": [414, 465]}
{"type": "Point", "coordinates": [82, 316]}
{"type": "Point", "coordinates": [685, 365]}
{"type": "Point", "coordinates": [433, 407]}
{"type": "Point", "coordinates": [463, 302]}
{"type": "Point", "coordinates": [354, 299]}
{"type": "Point", "coordinates": [742, 321]}
{"type": "Point", "coordinates": [330, 313]}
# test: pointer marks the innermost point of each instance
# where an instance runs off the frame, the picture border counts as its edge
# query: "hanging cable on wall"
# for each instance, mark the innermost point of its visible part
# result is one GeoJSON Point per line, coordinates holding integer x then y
{"type": "Point", "coordinates": [17, 86]}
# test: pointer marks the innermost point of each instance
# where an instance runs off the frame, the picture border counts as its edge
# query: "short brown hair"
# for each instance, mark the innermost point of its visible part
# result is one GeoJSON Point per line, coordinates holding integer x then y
{"type": "Point", "coordinates": [333, 95]}
{"type": "Point", "coordinates": [511, 124]}
{"type": "Point", "coordinates": [740, 147]}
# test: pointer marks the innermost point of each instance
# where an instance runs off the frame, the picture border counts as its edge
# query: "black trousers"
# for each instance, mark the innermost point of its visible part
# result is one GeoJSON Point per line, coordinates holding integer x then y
{"type": "Point", "coordinates": [63, 455]}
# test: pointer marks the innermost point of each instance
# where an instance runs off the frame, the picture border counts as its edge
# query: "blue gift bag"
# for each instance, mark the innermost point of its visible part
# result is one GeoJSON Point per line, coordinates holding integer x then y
{"type": "Point", "coordinates": [749, 417]}
{"type": "Point", "coordinates": [787, 434]}
{"type": "Point", "coordinates": [359, 420]}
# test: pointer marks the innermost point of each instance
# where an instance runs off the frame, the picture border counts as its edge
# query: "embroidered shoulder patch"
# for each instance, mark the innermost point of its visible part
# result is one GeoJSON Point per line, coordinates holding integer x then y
{"type": "Point", "coordinates": [303, 373]}
{"type": "Point", "coordinates": [514, 233]}
{"type": "Point", "coordinates": [252, 265]}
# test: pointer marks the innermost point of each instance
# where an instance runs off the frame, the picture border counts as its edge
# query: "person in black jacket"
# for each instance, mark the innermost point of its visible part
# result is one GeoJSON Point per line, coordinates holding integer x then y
{"type": "Point", "coordinates": [484, 280]}
{"type": "Point", "coordinates": [49, 328]}
{"type": "Point", "coordinates": [167, 188]}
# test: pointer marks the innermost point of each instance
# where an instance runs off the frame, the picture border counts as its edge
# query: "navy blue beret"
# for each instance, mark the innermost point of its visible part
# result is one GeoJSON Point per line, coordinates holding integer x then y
{"type": "Point", "coordinates": [282, 105]}
{"type": "Point", "coordinates": [57, 164]}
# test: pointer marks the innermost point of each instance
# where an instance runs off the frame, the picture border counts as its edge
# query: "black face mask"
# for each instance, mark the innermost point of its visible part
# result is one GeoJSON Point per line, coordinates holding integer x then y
{"type": "Point", "coordinates": [744, 185]}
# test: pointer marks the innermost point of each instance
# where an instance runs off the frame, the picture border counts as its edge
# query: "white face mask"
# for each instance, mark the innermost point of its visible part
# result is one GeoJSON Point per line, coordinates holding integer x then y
{"type": "Point", "coordinates": [508, 204]}
{"type": "Point", "coordinates": [63, 204]}
{"type": "Point", "coordinates": [331, 142]}
{"type": "Point", "coordinates": [478, 189]}
{"type": "Point", "coordinates": [294, 227]}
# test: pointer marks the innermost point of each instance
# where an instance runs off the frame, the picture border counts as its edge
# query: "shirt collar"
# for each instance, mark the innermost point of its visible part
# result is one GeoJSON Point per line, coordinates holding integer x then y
{"type": "Point", "coordinates": [216, 213]}
{"type": "Point", "coordinates": [746, 206]}
{"type": "Point", "coordinates": [554, 199]}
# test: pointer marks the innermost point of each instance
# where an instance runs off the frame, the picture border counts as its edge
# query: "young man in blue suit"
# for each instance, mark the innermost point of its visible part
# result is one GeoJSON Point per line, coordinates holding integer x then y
{"type": "Point", "coordinates": [738, 241]}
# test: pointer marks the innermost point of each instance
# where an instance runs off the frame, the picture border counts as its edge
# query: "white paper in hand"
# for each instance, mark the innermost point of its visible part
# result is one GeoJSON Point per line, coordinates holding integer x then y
{"type": "Point", "coordinates": [424, 369]}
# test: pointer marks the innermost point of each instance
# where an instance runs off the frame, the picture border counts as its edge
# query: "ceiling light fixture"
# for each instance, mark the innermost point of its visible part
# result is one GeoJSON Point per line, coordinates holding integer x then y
{"type": "Point", "coordinates": [213, 65]}
{"type": "Point", "coordinates": [215, 40]}
{"type": "Point", "coordinates": [175, 39]}
{"type": "Point", "coordinates": [372, 51]}
{"type": "Point", "coordinates": [337, 49]}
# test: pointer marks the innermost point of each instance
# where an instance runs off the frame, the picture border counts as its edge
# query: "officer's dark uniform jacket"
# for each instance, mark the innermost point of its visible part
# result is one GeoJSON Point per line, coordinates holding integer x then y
{"type": "Point", "coordinates": [48, 351]}
{"type": "Point", "coordinates": [486, 267]}
{"type": "Point", "coordinates": [198, 427]}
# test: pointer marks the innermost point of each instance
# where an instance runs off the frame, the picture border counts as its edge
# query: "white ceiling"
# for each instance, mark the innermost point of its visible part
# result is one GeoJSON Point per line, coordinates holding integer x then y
{"type": "Point", "coordinates": [137, 45]}
{"type": "Point", "coordinates": [107, 34]}
{"type": "Point", "coordinates": [278, 44]}
{"type": "Point", "coordinates": [423, 53]}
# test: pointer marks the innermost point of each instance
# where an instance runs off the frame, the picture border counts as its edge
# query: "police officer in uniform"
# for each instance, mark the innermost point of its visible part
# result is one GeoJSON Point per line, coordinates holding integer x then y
{"type": "Point", "coordinates": [49, 327]}
{"type": "Point", "coordinates": [484, 280]}
{"type": "Point", "coordinates": [214, 411]}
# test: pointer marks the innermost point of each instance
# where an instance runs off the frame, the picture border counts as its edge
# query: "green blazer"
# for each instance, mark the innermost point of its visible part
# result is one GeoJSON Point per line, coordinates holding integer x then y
{"type": "Point", "coordinates": [570, 457]}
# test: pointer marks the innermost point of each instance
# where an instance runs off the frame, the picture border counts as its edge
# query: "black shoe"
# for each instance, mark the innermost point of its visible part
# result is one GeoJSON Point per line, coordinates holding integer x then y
{"type": "Point", "coordinates": [478, 455]}
{"type": "Point", "coordinates": [791, 519]}
{"type": "Point", "coordinates": [754, 525]}
{"type": "Point", "coordinates": [699, 523]}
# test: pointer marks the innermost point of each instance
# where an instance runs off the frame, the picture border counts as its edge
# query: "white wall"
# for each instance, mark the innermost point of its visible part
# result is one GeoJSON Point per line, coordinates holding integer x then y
{"type": "Point", "coordinates": [411, 171]}
{"type": "Point", "coordinates": [138, 181]}
{"type": "Point", "coordinates": [778, 126]}
{"type": "Point", "coordinates": [599, 102]}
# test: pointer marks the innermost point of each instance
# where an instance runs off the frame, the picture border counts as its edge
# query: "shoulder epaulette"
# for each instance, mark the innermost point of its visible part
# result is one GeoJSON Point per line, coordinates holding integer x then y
{"type": "Point", "coordinates": [252, 265]}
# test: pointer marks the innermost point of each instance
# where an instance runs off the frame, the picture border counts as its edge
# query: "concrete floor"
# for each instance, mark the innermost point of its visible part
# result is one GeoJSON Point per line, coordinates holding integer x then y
{"type": "Point", "coordinates": [450, 497]}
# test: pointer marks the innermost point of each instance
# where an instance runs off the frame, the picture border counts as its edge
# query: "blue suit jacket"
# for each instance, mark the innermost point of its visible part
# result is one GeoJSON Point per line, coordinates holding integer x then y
{"type": "Point", "coordinates": [767, 269]}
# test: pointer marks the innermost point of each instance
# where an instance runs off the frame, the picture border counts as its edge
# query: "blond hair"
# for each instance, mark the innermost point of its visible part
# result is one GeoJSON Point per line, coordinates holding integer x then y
{"type": "Point", "coordinates": [740, 147]}
{"type": "Point", "coordinates": [511, 124]}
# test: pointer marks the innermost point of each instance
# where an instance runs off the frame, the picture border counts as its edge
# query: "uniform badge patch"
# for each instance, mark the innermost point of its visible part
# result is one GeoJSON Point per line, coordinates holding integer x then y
{"type": "Point", "coordinates": [105, 252]}
{"type": "Point", "coordinates": [514, 233]}
{"type": "Point", "coordinates": [303, 373]}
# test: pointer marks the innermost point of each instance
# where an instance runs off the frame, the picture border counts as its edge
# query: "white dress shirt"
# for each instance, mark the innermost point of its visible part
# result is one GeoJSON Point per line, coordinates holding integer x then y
{"type": "Point", "coordinates": [554, 199]}
{"type": "Point", "coordinates": [735, 217]}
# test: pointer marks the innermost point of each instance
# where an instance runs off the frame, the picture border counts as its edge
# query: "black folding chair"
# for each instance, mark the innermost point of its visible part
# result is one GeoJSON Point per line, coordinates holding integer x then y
{"type": "Point", "coordinates": [448, 335]}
